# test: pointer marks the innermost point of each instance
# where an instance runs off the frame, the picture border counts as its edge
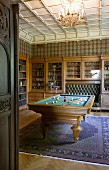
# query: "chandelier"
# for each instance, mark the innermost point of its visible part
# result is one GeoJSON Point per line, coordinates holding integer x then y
{"type": "Point", "coordinates": [72, 13]}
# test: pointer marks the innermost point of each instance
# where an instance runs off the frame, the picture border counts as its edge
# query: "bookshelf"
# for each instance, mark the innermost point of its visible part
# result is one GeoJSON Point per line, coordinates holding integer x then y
{"type": "Point", "coordinates": [73, 70]}
{"type": "Point", "coordinates": [22, 82]}
{"type": "Point", "coordinates": [38, 76]}
{"type": "Point", "coordinates": [105, 83]}
{"type": "Point", "coordinates": [54, 76]}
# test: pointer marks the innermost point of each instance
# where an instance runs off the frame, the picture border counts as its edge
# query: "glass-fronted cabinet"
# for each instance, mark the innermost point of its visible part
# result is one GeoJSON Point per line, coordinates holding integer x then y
{"type": "Point", "coordinates": [83, 70]}
{"type": "Point", "coordinates": [105, 83]}
{"type": "Point", "coordinates": [106, 76]}
{"type": "Point", "coordinates": [55, 76]}
{"type": "Point", "coordinates": [38, 76]}
{"type": "Point", "coordinates": [73, 70]}
{"type": "Point", "coordinates": [92, 70]}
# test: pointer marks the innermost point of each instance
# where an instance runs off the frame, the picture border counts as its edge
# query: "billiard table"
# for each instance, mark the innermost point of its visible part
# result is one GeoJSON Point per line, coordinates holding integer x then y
{"type": "Point", "coordinates": [65, 108]}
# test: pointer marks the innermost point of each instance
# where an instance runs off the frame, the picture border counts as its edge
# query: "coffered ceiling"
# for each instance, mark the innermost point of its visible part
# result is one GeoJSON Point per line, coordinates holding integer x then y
{"type": "Point", "coordinates": [39, 22]}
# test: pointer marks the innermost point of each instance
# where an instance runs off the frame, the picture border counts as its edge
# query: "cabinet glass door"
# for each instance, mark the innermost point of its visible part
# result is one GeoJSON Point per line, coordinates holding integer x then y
{"type": "Point", "coordinates": [54, 76]}
{"type": "Point", "coordinates": [106, 75]}
{"type": "Point", "coordinates": [92, 70]}
{"type": "Point", "coordinates": [73, 70]}
{"type": "Point", "coordinates": [37, 75]}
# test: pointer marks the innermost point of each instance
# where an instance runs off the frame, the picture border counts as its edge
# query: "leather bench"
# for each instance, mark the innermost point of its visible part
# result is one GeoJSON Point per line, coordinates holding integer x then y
{"type": "Point", "coordinates": [85, 89]}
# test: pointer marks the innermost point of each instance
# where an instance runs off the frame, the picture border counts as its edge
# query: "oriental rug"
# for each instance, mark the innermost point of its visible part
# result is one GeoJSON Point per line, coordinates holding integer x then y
{"type": "Point", "coordinates": [92, 146]}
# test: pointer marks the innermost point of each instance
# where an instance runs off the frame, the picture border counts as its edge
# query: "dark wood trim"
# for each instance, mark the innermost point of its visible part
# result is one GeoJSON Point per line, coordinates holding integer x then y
{"type": "Point", "coordinates": [14, 164]}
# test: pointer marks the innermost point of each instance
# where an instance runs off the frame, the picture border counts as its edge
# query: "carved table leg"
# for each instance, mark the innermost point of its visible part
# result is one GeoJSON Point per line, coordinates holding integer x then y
{"type": "Point", "coordinates": [76, 129]}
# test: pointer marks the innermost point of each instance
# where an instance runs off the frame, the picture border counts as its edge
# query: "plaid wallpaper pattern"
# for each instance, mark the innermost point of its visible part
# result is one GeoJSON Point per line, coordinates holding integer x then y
{"type": "Point", "coordinates": [68, 49]}
{"type": "Point", "coordinates": [25, 48]}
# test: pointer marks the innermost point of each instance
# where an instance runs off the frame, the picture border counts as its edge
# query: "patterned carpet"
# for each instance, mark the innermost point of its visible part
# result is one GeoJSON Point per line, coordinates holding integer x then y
{"type": "Point", "coordinates": [92, 146]}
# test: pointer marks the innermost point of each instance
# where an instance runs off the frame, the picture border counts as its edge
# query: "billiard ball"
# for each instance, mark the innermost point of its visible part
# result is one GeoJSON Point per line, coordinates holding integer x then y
{"type": "Point", "coordinates": [52, 101]}
{"type": "Point", "coordinates": [46, 103]}
{"type": "Point", "coordinates": [55, 101]}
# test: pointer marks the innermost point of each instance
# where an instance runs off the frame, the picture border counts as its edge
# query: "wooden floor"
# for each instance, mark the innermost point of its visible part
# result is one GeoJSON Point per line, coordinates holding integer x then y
{"type": "Point", "coordinates": [34, 162]}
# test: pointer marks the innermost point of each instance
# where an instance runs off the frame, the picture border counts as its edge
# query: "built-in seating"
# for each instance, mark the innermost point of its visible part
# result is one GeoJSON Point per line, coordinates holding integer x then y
{"type": "Point", "coordinates": [85, 89]}
{"type": "Point", "coordinates": [28, 118]}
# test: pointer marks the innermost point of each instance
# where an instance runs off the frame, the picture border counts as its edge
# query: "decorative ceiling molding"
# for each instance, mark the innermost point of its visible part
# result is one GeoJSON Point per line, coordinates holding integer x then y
{"type": "Point", "coordinates": [39, 22]}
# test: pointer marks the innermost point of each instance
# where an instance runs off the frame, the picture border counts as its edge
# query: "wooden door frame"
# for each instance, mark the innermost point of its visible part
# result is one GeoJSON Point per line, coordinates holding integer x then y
{"type": "Point", "coordinates": [14, 25]}
{"type": "Point", "coordinates": [9, 40]}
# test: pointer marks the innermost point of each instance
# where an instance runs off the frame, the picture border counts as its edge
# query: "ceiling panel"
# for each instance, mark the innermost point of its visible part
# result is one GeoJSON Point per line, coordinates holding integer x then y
{"type": "Point", "coordinates": [58, 31]}
{"type": "Point", "coordinates": [39, 21]}
{"type": "Point", "coordinates": [52, 2]}
{"type": "Point", "coordinates": [26, 13]}
{"type": "Point", "coordinates": [92, 17]}
{"type": "Point", "coordinates": [38, 24]}
{"type": "Point", "coordinates": [46, 17]}
{"type": "Point", "coordinates": [55, 26]}
{"type": "Point", "coordinates": [50, 22]}
{"type": "Point", "coordinates": [91, 4]}
{"type": "Point", "coordinates": [105, 15]}
{"type": "Point", "coordinates": [105, 9]}
{"type": "Point", "coordinates": [69, 29]}
{"type": "Point", "coordinates": [90, 11]}
{"type": "Point", "coordinates": [105, 20]}
{"type": "Point", "coordinates": [105, 2]}
{"type": "Point", "coordinates": [34, 4]}
{"type": "Point", "coordinates": [41, 11]}
{"type": "Point", "coordinates": [32, 19]}
{"type": "Point", "coordinates": [31, 30]}
{"type": "Point", "coordinates": [94, 22]}
{"type": "Point", "coordinates": [55, 9]}
{"type": "Point", "coordinates": [48, 31]}
{"type": "Point", "coordinates": [105, 26]}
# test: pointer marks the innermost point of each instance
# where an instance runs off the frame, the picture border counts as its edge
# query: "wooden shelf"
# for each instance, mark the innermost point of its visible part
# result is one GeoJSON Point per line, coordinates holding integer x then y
{"type": "Point", "coordinates": [73, 70]}
{"type": "Point", "coordinates": [38, 75]}
{"type": "Point", "coordinates": [92, 69]}
{"type": "Point", "coordinates": [54, 75]}
{"type": "Point", "coordinates": [105, 83]}
{"type": "Point", "coordinates": [22, 82]}
{"type": "Point", "coordinates": [22, 93]}
{"type": "Point", "coordinates": [22, 99]}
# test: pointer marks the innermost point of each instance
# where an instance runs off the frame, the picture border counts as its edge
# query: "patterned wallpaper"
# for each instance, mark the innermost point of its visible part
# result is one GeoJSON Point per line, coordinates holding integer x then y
{"type": "Point", "coordinates": [71, 48]}
{"type": "Point", "coordinates": [25, 48]}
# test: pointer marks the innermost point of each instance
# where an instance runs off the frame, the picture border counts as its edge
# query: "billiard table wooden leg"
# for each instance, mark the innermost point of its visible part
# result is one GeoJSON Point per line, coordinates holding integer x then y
{"type": "Point", "coordinates": [76, 129]}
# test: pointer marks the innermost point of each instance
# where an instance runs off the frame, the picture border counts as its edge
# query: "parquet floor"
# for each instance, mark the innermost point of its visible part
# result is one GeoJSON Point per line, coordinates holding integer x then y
{"type": "Point", "coordinates": [34, 162]}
